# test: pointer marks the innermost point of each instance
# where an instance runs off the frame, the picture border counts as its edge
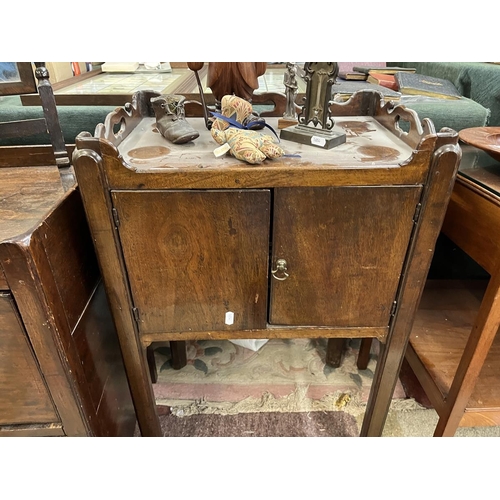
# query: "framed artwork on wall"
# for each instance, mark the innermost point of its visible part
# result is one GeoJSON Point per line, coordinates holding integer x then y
{"type": "Point", "coordinates": [16, 78]}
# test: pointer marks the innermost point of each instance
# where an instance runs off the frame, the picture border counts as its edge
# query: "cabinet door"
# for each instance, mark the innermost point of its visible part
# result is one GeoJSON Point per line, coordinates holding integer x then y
{"type": "Point", "coordinates": [344, 249]}
{"type": "Point", "coordinates": [24, 398]}
{"type": "Point", "coordinates": [196, 260]}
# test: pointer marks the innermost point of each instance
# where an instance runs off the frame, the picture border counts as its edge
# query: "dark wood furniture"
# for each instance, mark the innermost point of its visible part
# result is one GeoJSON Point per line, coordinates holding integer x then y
{"type": "Point", "coordinates": [332, 244]}
{"type": "Point", "coordinates": [61, 369]}
{"type": "Point", "coordinates": [50, 121]}
{"type": "Point", "coordinates": [454, 349]}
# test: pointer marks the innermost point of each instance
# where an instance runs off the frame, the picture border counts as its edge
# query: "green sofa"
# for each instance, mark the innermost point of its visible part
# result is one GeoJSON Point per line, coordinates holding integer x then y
{"type": "Point", "coordinates": [476, 81]}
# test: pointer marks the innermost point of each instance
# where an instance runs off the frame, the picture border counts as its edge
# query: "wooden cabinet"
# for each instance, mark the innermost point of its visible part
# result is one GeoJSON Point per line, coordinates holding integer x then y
{"type": "Point", "coordinates": [332, 244]}
{"type": "Point", "coordinates": [213, 249]}
{"type": "Point", "coordinates": [61, 368]}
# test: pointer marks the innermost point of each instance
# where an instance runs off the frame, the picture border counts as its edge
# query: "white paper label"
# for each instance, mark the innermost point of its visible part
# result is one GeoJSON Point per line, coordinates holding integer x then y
{"type": "Point", "coordinates": [229, 318]}
{"type": "Point", "coordinates": [318, 141]}
{"type": "Point", "coordinates": [222, 150]}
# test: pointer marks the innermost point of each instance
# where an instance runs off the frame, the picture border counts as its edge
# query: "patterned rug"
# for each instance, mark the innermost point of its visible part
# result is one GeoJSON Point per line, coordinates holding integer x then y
{"type": "Point", "coordinates": [282, 376]}
{"type": "Point", "coordinates": [222, 379]}
{"type": "Point", "coordinates": [260, 424]}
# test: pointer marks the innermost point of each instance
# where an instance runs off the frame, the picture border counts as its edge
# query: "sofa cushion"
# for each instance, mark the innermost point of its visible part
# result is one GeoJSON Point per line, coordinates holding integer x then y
{"type": "Point", "coordinates": [478, 81]}
{"type": "Point", "coordinates": [453, 113]}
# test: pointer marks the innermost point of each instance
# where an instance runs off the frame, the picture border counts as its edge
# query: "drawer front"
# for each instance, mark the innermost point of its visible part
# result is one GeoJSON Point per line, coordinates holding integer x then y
{"type": "Point", "coordinates": [344, 249]}
{"type": "Point", "coordinates": [24, 398]}
{"type": "Point", "coordinates": [196, 260]}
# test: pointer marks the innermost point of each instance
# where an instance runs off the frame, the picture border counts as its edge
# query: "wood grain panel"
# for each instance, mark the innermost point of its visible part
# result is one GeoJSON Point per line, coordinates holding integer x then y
{"type": "Point", "coordinates": [476, 234]}
{"type": "Point", "coordinates": [67, 266]}
{"type": "Point", "coordinates": [477, 418]}
{"type": "Point", "coordinates": [24, 398]}
{"type": "Point", "coordinates": [345, 249]}
{"type": "Point", "coordinates": [42, 318]}
{"type": "Point", "coordinates": [272, 332]}
{"type": "Point", "coordinates": [24, 203]}
{"type": "Point", "coordinates": [233, 174]}
{"type": "Point", "coordinates": [30, 156]}
{"type": "Point", "coordinates": [68, 247]}
{"type": "Point", "coordinates": [100, 356]}
{"type": "Point", "coordinates": [31, 430]}
{"type": "Point", "coordinates": [206, 255]}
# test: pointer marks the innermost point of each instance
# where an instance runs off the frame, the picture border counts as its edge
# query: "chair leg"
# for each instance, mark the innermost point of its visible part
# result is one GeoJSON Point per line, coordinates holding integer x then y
{"type": "Point", "coordinates": [335, 352]}
{"type": "Point", "coordinates": [179, 357]}
{"type": "Point", "coordinates": [364, 354]}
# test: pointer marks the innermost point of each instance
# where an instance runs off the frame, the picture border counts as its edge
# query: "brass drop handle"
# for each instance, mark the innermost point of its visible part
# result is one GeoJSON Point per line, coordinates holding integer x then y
{"type": "Point", "coordinates": [281, 270]}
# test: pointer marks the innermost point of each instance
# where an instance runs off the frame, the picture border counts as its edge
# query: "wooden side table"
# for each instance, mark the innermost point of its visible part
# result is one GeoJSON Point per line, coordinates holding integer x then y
{"type": "Point", "coordinates": [332, 244]}
{"type": "Point", "coordinates": [61, 369]}
{"type": "Point", "coordinates": [454, 350]}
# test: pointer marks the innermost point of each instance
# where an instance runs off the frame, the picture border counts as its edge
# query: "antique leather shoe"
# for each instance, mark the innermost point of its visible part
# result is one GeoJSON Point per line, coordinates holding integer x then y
{"type": "Point", "coordinates": [171, 120]}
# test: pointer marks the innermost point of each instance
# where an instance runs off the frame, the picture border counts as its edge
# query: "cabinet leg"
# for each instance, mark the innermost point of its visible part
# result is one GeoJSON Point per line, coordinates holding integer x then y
{"type": "Point", "coordinates": [335, 352]}
{"type": "Point", "coordinates": [179, 357]}
{"type": "Point", "coordinates": [384, 382]}
{"type": "Point", "coordinates": [150, 356]}
{"type": "Point", "coordinates": [139, 376]}
{"type": "Point", "coordinates": [364, 354]}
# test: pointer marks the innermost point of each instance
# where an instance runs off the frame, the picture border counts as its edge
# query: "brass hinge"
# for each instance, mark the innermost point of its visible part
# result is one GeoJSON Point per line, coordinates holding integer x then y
{"type": "Point", "coordinates": [416, 215]}
{"type": "Point", "coordinates": [393, 308]}
{"type": "Point", "coordinates": [135, 312]}
{"type": "Point", "coordinates": [115, 217]}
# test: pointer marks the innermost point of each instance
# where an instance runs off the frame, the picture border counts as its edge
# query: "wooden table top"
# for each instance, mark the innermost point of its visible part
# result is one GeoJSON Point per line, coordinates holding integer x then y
{"type": "Point", "coordinates": [368, 144]}
{"type": "Point", "coordinates": [481, 168]}
{"type": "Point", "coordinates": [27, 195]}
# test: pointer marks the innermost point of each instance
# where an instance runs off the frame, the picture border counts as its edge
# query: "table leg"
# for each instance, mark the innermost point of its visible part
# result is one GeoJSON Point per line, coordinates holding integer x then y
{"type": "Point", "coordinates": [364, 353]}
{"type": "Point", "coordinates": [150, 355]}
{"type": "Point", "coordinates": [334, 352]}
{"type": "Point", "coordinates": [178, 350]}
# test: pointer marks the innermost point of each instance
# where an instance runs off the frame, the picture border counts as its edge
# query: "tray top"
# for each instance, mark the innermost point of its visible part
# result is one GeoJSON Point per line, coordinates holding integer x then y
{"type": "Point", "coordinates": [368, 144]}
{"type": "Point", "coordinates": [27, 195]}
{"type": "Point", "coordinates": [485, 138]}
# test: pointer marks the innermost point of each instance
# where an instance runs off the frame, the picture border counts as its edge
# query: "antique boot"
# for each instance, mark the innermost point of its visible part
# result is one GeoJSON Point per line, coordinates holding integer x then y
{"type": "Point", "coordinates": [171, 120]}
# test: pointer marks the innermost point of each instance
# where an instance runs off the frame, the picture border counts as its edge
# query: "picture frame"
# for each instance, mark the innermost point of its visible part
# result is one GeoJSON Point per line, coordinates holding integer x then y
{"type": "Point", "coordinates": [17, 78]}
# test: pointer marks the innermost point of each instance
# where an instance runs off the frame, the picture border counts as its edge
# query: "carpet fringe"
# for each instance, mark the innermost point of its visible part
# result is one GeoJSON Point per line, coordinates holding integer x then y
{"type": "Point", "coordinates": [296, 401]}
